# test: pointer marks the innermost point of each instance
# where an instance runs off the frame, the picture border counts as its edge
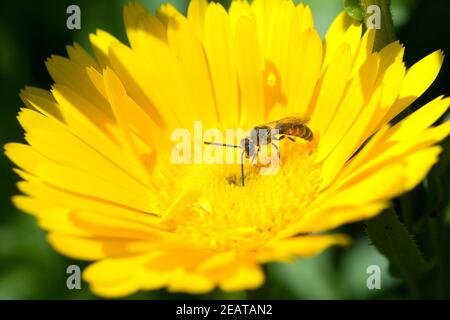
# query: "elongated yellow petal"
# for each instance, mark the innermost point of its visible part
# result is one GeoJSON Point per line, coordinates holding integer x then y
{"type": "Point", "coordinates": [100, 42]}
{"type": "Point", "coordinates": [306, 63]}
{"type": "Point", "coordinates": [331, 90]}
{"type": "Point", "coordinates": [350, 108]}
{"type": "Point", "coordinates": [190, 52]}
{"type": "Point", "coordinates": [285, 249]}
{"type": "Point", "coordinates": [250, 72]}
{"type": "Point", "coordinates": [417, 79]}
{"type": "Point", "coordinates": [343, 30]}
{"type": "Point", "coordinates": [196, 15]}
{"type": "Point", "coordinates": [218, 43]}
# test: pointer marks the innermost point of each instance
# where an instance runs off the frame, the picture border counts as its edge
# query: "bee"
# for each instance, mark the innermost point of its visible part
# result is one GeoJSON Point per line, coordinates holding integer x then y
{"type": "Point", "coordinates": [261, 135]}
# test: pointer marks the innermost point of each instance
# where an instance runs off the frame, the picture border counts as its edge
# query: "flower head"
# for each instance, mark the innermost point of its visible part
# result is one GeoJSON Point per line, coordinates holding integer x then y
{"type": "Point", "coordinates": [99, 175]}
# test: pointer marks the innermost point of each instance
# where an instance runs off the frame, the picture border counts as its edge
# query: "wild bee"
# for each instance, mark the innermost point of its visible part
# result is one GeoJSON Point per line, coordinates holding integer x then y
{"type": "Point", "coordinates": [289, 127]}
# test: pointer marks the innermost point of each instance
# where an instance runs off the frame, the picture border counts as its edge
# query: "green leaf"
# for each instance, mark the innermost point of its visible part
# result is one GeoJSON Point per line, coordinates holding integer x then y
{"type": "Point", "coordinates": [393, 240]}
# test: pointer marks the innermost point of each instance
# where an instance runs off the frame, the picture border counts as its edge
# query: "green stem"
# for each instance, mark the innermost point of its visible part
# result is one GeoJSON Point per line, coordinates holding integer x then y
{"type": "Point", "coordinates": [386, 34]}
{"type": "Point", "coordinates": [392, 239]}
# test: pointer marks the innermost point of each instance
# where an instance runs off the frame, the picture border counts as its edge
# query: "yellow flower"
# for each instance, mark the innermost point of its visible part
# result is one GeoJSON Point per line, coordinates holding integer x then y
{"type": "Point", "coordinates": [97, 170]}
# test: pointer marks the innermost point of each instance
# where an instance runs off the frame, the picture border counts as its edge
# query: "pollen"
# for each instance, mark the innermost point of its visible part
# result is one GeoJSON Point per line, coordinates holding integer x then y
{"type": "Point", "coordinates": [229, 216]}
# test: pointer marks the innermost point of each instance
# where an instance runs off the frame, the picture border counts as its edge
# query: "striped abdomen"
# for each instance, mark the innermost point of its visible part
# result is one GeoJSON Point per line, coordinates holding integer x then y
{"type": "Point", "coordinates": [299, 130]}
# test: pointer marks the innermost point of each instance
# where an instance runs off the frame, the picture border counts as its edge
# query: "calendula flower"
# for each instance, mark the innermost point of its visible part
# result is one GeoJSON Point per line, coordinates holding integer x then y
{"type": "Point", "coordinates": [97, 168]}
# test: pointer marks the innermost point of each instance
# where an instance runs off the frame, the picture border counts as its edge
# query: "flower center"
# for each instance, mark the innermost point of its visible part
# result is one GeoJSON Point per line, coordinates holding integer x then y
{"type": "Point", "coordinates": [228, 215]}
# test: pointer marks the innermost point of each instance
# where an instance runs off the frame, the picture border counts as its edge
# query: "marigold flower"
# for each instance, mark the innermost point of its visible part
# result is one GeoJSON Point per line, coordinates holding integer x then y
{"type": "Point", "coordinates": [97, 170]}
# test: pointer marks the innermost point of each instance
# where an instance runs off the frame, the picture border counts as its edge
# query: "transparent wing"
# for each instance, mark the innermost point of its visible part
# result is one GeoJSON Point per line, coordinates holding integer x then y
{"type": "Point", "coordinates": [293, 118]}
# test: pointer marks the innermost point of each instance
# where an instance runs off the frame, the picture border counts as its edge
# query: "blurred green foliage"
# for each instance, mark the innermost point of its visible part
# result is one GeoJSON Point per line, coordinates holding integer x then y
{"type": "Point", "coordinates": [31, 31]}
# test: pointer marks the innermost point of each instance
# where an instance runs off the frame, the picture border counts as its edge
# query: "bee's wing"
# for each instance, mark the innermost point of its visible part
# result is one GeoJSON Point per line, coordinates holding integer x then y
{"type": "Point", "coordinates": [298, 118]}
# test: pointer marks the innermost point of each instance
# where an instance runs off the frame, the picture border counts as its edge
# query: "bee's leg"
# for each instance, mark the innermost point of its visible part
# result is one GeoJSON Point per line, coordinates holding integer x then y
{"type": "Point", "coordinates": [280, 138]}
{"type": "Point", "coordinates": [292, 139]}
{"type": "Point", "coordinates": [278, 149]}
{"type": "Point", "coordinates": [254, 157]}
{"type": "Point", "coordinates": [242, 168]}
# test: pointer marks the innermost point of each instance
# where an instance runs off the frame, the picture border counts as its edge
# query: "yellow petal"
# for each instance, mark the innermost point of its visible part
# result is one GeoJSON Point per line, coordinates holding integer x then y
{"type": "Point", "coordinates": [196, 15]}
{"type": "Point", "coordinates": [304, 72]}
{"type": "Point", "coordinates": [249, 70]}
{"type": "Point", "coordinates": [331, 89]}
{"type": "Point", "coordinates": [344, 29]}
{"type": "Point", "coordinates": [100, 42]}
{"type": "Point", "coordinates": [417, 79]}
{"type": "Point", "coordinates": [333, 217]}
{"type": "Point", "coordinates": [219, 50]}
{"type": "Point", "coordinates": [78, 55]}
{"type": "Point", "coordinates": [242, 276]}
{"type": "Point", "coordinates": [77, 247]}
{"type": "Point", "coordinates": [284, 249]}
{"type": "Point", "coordinates": [189, 51]}
{"type": "Point", "coordinates": [350, 142]}
{"type": "Point", "coordinates": [355, 99]}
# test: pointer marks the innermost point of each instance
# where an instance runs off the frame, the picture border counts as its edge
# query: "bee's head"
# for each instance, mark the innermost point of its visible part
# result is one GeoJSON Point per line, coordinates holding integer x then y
{"type": "Point", "coordinates": [248, 146]}
{"type": "Point", "coordinates": [261, 135]}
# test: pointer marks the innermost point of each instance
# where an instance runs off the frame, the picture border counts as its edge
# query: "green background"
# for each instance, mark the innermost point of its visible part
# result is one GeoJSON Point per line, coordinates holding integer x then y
{"type": "Point", "coordinates": [30, 31]}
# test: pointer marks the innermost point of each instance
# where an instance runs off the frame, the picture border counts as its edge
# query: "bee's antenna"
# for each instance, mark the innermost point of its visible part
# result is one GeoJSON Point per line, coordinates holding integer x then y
{"type": "Point", "coordinates": [221, 144]}
{"type": "Point", "coordinates": [231, 146]}
{"type": "Point", "coordinates": [242, 168]}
